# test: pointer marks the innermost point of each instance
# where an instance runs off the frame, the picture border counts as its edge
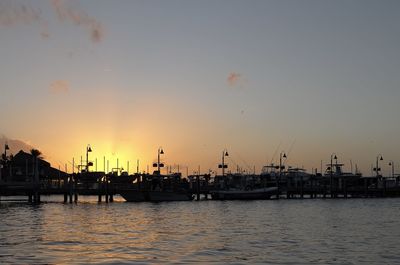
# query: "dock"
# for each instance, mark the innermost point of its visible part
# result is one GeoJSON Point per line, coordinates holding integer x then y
{"type": "Point", "coordinates": [29, 176]}
{"type": "Point", "coordinates": [106, 186]}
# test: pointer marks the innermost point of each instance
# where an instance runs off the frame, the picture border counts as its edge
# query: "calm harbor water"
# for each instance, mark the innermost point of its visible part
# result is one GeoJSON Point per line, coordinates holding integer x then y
{"type": "Point", "coordinates": [353, 231]}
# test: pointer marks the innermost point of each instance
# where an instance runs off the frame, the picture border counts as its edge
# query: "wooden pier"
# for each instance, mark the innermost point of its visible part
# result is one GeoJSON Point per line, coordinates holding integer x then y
{"type": "Point", "coordinates": [29, 176]}
{"type": "Point", "coordinates": [106, 187]}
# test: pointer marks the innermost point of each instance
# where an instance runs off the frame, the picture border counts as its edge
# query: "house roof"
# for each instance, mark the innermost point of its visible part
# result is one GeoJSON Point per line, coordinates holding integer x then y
{"type": "Point", "coordinates": [22, 158]}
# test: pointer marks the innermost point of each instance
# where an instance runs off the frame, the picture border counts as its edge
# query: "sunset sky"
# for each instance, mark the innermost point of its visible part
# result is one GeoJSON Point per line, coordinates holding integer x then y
{"type": "Point", "coordinates": [310, 78]}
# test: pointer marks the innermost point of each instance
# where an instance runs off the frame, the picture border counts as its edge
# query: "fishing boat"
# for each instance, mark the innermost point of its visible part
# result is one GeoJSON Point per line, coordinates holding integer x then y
{"type": "Point", "coordinates": [163, 196]}
{"type": "Point", "coordinates": [154, 196]}
{"type": "Point", "coordinates": [157, 187]}
{"type": "Point", "coordinates": [238, 194]}
{"type": "Point", "coordinates": [242, 187]}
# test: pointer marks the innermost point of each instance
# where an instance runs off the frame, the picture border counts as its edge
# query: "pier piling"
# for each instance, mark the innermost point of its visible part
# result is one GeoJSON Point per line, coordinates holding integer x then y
{"type": "Point", "coordinates": [198, 187]}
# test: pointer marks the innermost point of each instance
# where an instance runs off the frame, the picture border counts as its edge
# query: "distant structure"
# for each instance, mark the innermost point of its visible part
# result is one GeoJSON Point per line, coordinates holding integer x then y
{"type": "Point", "coordinates": [23, 167]}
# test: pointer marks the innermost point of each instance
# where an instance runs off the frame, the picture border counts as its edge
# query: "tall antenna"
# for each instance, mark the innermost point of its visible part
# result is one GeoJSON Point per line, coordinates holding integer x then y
{"type": "Point", "coordinates": [276, 151]}
{"type": "Point", "coordinates": [290, 150]}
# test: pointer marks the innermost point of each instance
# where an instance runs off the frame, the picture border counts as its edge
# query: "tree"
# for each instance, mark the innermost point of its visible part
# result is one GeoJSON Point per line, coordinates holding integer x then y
{"type": "Point", "coordinates": [36, 153]}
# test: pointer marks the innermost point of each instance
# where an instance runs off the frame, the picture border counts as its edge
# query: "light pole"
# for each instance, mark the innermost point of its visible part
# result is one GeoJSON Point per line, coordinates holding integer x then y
{"type": "Point", "coordinates": [4, 162]}
{"type": "Point", "coordinates": [160, 152]}
{"type": "Point", "coordinates": [223, 166]}
{"type": "Point", "coordinates": [391, 163]}
{"type": "Point", "coordinates": [5, 151]}
{"type": "Point", "coordinates": [88, 149]}
{"type": "Point", "coordinates": [282, 156]}
{"type": "Point", "coordinates": [5, 155]}
{"type": "Point", "coordinates": [333, 156]}
{"type": "Point", "coordinates": [377, 169]}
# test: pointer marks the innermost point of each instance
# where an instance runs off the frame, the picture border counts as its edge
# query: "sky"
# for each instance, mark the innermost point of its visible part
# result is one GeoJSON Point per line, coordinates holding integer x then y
{"type": "Point", "coordinates": [257, 78]}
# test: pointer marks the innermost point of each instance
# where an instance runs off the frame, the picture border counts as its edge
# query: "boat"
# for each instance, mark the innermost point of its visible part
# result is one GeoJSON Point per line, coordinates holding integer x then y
{"type": "Point", "coordinates": [241, 187]}
{"type": "Point", "coordinates": [163, 196]}
{"type": "Point", "coordinates": [154, 196]}
{"type": "Point", "coordinates": [157, 188]}
{"type": "Point", "coordinates": [133, 195]}
{"type": "Point", "coordinates": [254, 194]}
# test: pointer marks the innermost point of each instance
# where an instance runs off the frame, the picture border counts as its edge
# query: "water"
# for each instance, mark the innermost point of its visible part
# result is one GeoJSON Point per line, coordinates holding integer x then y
{"type": "Point", "coordinates": [353, 231]}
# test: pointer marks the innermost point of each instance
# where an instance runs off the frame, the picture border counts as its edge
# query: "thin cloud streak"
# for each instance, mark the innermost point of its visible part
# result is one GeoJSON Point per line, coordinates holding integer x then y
{"type": "Point", "coordinates": [59, 87]}
{"type": "Point", "coordinates": [65, 12]}
{"type": "Point", "coordinates": [235, 79]}
{"type": "Point", "coordinates": [14, 145]}
{"type": "Point", "coordinates": [15, 13]}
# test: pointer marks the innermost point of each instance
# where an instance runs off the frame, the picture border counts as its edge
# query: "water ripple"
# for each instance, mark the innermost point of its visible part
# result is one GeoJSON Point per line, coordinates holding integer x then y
{"type": "Point", "coordinates": [256, 232]}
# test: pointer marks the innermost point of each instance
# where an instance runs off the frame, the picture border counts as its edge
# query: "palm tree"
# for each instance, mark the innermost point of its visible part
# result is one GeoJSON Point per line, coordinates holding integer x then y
{"type": "Point", "coordinates": [36, 153]}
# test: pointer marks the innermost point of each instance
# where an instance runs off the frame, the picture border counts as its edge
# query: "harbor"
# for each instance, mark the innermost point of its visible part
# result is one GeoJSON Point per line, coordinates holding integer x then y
{"type": "Point", "coordinates": [29, 177]}
{"type": "Point", "coordinates": [199, 132]}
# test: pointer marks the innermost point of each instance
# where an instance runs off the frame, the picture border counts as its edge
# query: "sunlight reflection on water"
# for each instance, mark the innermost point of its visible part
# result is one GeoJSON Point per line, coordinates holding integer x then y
{"type": "Point", "coordinates": [242, 232]}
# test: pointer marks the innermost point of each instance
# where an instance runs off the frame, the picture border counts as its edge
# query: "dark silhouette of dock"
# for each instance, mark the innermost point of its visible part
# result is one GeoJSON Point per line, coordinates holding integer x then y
{"type": "Point", "coordinates": [28, 175]}
{"type": "Point", "coordinates": [106, 186]}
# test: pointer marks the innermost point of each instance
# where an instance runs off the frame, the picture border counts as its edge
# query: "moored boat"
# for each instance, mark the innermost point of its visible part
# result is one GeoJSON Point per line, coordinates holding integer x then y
{"type": "Point", "coordinates": [255, 194]}
{"type": "Point", "coordinates": [157, 187]}
{"type": "Point", "coordinates": [160, 196]}
{"type": "Point", "coordinates": [241, 186]}
{"type": "Point", "coordinates": [133, 195]}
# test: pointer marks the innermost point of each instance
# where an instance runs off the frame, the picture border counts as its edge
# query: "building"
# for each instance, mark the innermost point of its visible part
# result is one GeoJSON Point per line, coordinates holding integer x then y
{"type": "Point", "coordinates": [24, 167]}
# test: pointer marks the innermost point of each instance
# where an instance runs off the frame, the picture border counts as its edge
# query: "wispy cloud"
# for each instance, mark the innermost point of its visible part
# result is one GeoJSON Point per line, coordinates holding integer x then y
{"type": "Point", "coordinates": [66, 12]}
{"type": "Point", "coordinates": [233, 78]}
{"type": "Point", "coordinates": [45, 34]}
{"type": "Point", "coordinates": [16, 12]}
{"type": "Point", "coordinates": [59, 87]}
{"type": "Point", "coordinates": [13, 13]}
{"type": "Point", "coordinates": [236, 79]}
{"type": "Point", "coordinates": [14, 145]}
